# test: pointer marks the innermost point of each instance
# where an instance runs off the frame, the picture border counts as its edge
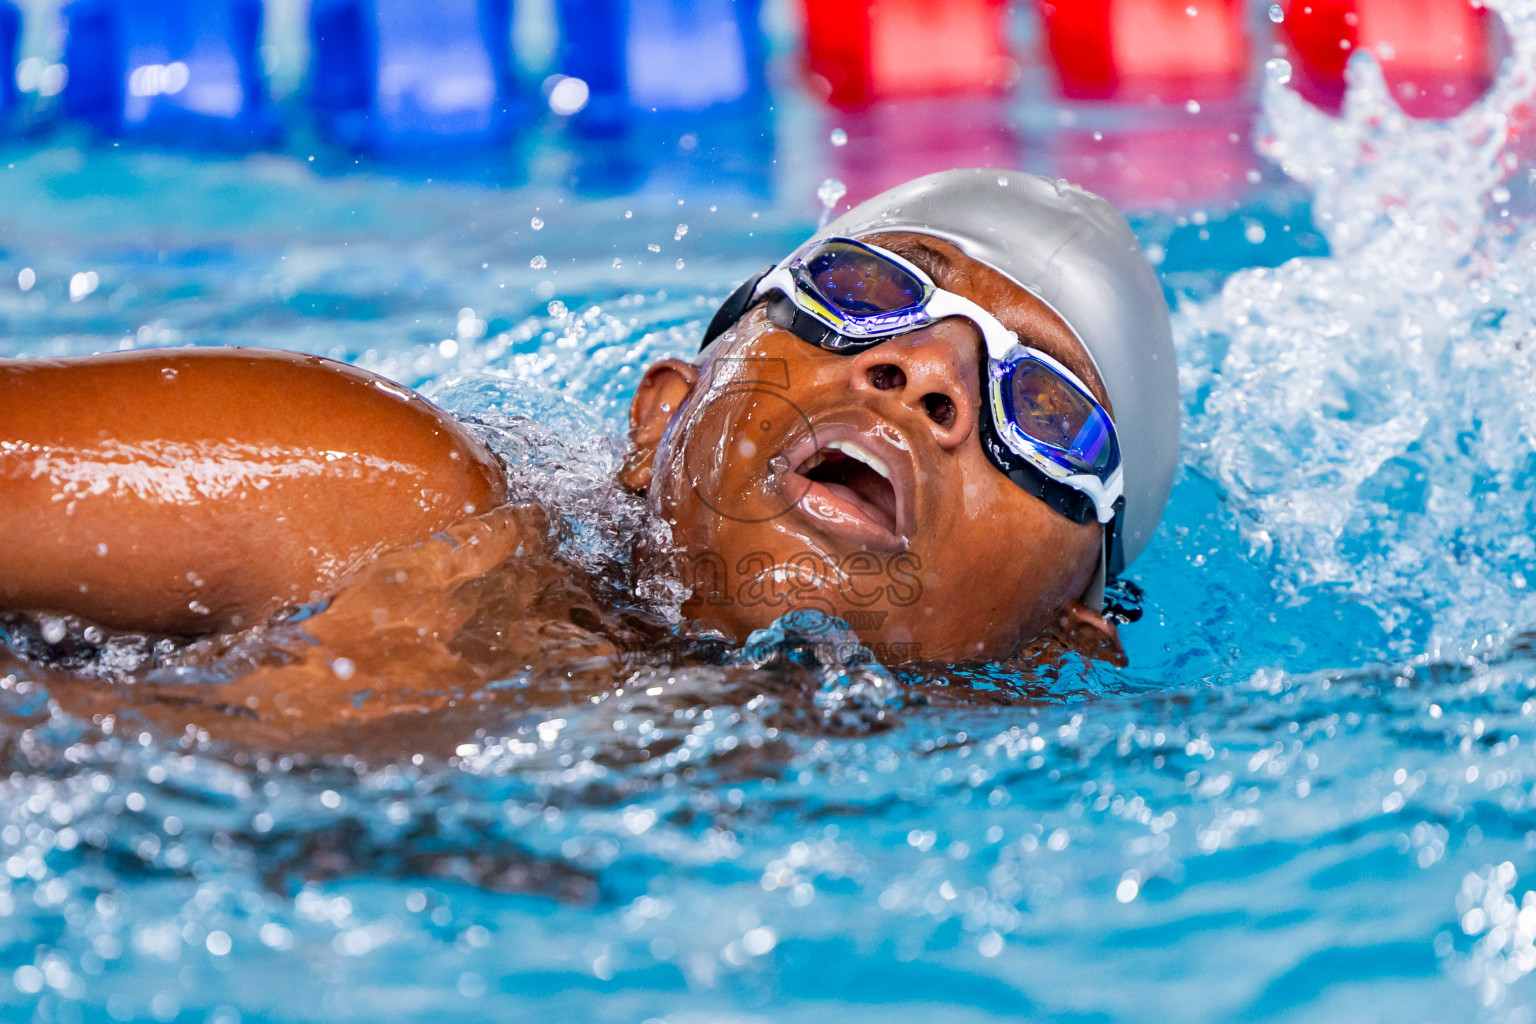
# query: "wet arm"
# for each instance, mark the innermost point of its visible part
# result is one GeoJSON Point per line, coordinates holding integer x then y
{"type": "Point", "coordinates": [192, 491]}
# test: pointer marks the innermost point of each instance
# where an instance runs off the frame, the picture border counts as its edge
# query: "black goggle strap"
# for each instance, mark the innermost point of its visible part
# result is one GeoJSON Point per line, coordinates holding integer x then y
{"type": "Point", "coordinates": [783, 312]}
{"type": "Point", "coordinates": [733, 308]}
{"type": "Point", "coordinates": [1120, 600]}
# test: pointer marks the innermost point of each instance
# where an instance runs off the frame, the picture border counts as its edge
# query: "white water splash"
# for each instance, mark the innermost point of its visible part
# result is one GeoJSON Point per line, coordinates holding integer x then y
{"type": "Point", "coordinates": [1371, 415]}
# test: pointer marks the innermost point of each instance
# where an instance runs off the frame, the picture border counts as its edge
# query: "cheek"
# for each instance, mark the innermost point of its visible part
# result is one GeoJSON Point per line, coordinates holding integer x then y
{"type": "Point", "coordinates": [716, 473]}
{"type": "Point", "coordinates": [1029, 556]}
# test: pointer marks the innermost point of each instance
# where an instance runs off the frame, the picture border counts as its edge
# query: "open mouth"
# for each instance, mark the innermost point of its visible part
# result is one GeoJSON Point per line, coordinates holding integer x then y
{"type": "Point", "coordinates": [856, 477]}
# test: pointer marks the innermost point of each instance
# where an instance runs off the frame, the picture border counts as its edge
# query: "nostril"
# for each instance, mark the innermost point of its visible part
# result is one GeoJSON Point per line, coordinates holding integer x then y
{"type": "Point", "coordinates": [940, 409]}
{"type": "Point", "coordinates": [886, 377]}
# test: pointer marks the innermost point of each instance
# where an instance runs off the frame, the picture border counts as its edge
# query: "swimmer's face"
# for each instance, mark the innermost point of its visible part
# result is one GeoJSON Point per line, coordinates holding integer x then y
{"type": "Point", "coordinates": [796, 478]}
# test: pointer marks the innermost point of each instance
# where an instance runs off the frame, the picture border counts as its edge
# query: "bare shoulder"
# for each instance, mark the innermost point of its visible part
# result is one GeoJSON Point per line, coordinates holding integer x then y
{"type": "Point", "coordinates": [189, 490]}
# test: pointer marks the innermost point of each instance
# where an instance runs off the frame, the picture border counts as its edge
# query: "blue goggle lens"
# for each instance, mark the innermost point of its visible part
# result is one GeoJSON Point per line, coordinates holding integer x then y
{"type": "Point", "coordinates": [1050, 411]}
{"type": "Point", "coordinates": [857, 282]}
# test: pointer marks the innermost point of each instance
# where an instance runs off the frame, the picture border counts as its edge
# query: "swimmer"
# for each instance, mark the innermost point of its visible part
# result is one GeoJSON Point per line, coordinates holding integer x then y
{"type": "Point", "coordinates": [949, 418]}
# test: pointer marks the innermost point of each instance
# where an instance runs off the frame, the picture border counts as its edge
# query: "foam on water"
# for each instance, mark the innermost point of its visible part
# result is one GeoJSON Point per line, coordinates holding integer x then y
{"type": "Point", "coordinates": [1370, 416]}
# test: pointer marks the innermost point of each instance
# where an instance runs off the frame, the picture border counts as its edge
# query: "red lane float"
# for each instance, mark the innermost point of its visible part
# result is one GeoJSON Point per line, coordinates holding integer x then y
{"type": "Point", "coordinates": [1438, 56]}
{"type": "Point", "coordinates": [1206, 160]}
{"type": "Point", "coordinates": [890, 143]}
{"type": "Point", "coordinates": [858, 51]}
{"type": "Point", "coordinates": [1136, 49]}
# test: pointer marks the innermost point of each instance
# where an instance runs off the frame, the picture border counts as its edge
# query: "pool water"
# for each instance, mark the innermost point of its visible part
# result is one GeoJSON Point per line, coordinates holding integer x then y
{"type": "Point", "coordinates": [1308, 798]}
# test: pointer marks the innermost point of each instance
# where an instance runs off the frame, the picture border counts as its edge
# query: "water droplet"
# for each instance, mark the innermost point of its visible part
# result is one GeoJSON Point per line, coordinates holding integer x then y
{"type": "Point", "coordinates": [1278, 69]}
{"type": "Point", "coordinates": [759, 941]}
{"type": "Point", "coordinates": [83, 284]}
{"type": "Point", "coordinates": [682, 229]}
{"type": "Point", "coordinates": [679, 264]}
{"type": "Point", "coordinates": [343, 668]}
{"type": "Point", "coordinates": [538, 263]}
{"type": "Point", "coordinates": [557, 308]}
{"type": "Point", "coordinates": [26, 279]}
{"type": "Point", "coordinates": [829, 192]}
{"type": "Point", "coordinates": [1276, 15]}
{"type": "Point", "coordinates": [1193, 106]}
{"type": "Point", "coordinates": [654, 247]}
{"type": "Point", "coordinates": [779, 464]}
{"type": "Point", "coordinates": [537, 223]}
{"type": "Point", "coordinates": [569, 96]}
{"type": "Point", "coordinates": [839, 137]}
{"type": "Point", "coordinates": [617, 263]}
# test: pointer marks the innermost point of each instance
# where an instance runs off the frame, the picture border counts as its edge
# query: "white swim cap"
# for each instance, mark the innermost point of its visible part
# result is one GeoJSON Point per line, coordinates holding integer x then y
{"type": "Point", "coordinates": [1074, 252]}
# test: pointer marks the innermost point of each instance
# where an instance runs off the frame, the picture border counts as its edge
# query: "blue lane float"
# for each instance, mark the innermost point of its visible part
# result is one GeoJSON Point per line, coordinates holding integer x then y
{"type": "Point", "coordinates": [411, 76]}
{"type": "Point", "coordinates": [186, 70]}
{"type": "Point", "coordinates": [10, 39]}
{"type": "Point", "coordinates": [662, 57]}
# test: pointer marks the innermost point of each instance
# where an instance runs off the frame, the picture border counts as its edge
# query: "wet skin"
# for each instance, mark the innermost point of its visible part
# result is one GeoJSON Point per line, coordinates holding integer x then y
{"type": "Point", "coordinates": [799, 478]}
{"type": "Point", "coordinates": [195, 492]}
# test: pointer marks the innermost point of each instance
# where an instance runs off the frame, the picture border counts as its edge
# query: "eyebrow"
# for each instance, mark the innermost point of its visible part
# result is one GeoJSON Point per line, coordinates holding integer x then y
{"type": "Point", "coordinates": [935, 264]}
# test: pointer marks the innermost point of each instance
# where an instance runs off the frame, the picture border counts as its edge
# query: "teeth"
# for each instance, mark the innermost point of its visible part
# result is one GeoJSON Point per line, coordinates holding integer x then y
{"type": "Point", "coordinates": [853, 451]}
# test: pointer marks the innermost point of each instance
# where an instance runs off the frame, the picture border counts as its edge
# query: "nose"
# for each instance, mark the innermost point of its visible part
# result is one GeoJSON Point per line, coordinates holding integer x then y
{"type": "Point", "coordinates": [934, 372]}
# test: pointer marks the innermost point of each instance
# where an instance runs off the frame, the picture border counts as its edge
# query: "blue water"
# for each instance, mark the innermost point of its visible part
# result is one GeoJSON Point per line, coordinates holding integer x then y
{"type": "Point", "coordinates": [1308, 798]}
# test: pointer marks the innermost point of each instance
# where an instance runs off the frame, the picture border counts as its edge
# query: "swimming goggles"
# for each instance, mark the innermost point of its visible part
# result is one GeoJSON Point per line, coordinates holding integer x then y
{"type": "Point", "coordinates": [1043, 428]}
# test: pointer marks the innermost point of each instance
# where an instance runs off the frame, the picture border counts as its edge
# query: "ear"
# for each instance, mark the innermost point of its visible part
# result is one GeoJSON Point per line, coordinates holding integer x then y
{"type": "Point", "coordinates": [662, 392]}
{"type": "Point", "coordinates": [1089, 633]}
